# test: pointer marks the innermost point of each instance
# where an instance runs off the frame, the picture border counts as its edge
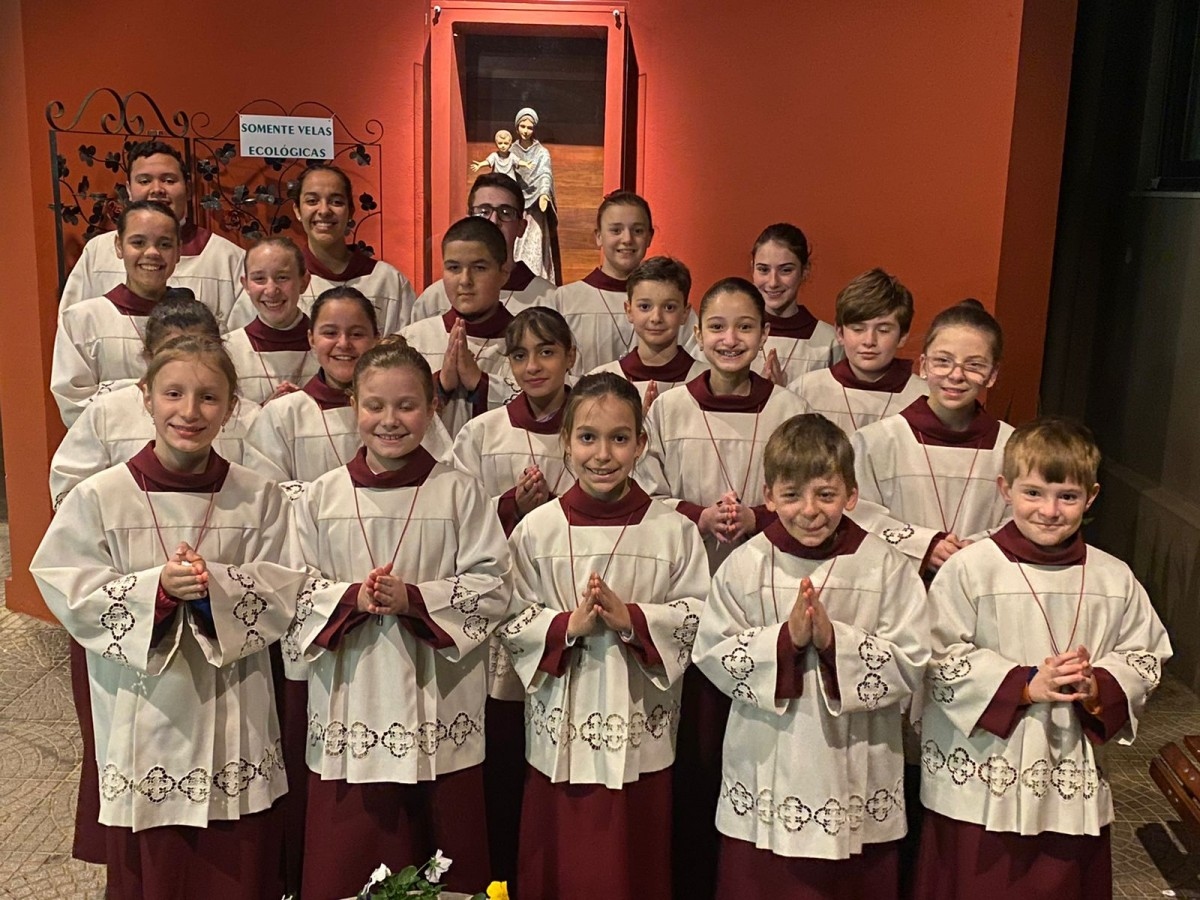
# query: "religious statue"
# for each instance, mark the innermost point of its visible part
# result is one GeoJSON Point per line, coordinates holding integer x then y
{"type": "Point", "coordinates": [538, 247]}
{"type": "Point", "coordinates": [503, 160]}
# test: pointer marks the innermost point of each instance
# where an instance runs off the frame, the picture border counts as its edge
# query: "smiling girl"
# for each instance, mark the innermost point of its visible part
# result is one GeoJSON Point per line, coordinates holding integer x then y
{"type": "Point", "coordinates": [413, 578]}
{"type": "Point", "coordinates": [607, 588]}
{"type": "Point", "coordinates": [99, 341]}
{"type": "Point", "coordinates": [162, 568]}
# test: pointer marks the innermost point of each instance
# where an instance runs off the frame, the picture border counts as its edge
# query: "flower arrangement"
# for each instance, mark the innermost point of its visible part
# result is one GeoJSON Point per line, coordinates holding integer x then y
{"type": "Point", "coordinates": [419, 883]}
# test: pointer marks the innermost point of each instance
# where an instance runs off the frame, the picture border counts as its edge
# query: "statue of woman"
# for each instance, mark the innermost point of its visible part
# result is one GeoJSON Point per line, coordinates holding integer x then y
{"type": "Point", "coordinates": [538, 247]}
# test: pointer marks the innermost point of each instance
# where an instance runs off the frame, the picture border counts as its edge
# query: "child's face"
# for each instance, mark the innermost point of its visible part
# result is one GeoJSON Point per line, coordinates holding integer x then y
{"type": "Point", "coordinates": [189, 401]}
{"type": "Point", "coordinates": [623, 237]}
{"type": "Point", "coordinates": [472, 278]}
{"type": "Point", "coordinates": [324, 209]}
{"type": "Point", "coordinates": [274, 284]}
{"type": "Point", "coordinates": [604, 446]}
{"type": "Point", "coordinates": [540, 367]}
{"type": "Point", "coordinates": [503, 142]}
{"type": "Point", "coordinates": [731, 333]}
{"type": "Point", "coordinates": [340, 335]}
{"type": "Point", "coordinates": [657, 311]}
{"type": "Point", "coordinates": [1047, 513]}
{"type": "Point", "coordinates": [871, 345]}
{"type": "Point", "coordinates": [393, 414]}
{"type": "Point", "coordinates": [958, 364]}
{"type": "Point", "coordinates": [150, 249]}
{"type": "Point", "coordinates": [778, 274]}
{"type": "Point", "coordinates": [810, 512]}
{"type": "Point", "coordinates": [158, 177]}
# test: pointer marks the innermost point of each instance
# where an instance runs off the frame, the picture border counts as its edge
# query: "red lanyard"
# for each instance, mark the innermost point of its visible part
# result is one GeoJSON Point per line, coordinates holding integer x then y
{"type": "Point", "coordinates": [616, 324]}
{"type": "Point", "coordinates": [949, 529]}
{"type": "Point", "coordinates": [332, 445]}
{"type": "Point", "coordinates": [854, 424]}
{"type": "Point", "coordinates": [533, 461]}
{"type": "Point", "coordinates": [721, 461]}
{"type": "Point", "coordinates": [154, 516]}
{"type": "Point", "coordinates": [1042, 609]}
{"type": "Point", "coordinates": [608, 562]}
{"type": "Point", "coordinates": [407, 521]}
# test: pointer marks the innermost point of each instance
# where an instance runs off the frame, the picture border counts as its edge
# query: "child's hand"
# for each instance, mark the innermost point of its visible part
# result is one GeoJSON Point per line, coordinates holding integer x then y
{"type": "Point", "coordinates": [448, 376]}
{"type": "Point", "coordinates": [383, 593]}
{"type": "Point", "coordinates": [185, 576]}
{"type": "Point", "coordinates": [772, 370]}
{"type": "Point", "coordinates": [942, 551]}
{"type": "Point", "coordinates": [532, 490]}
{"type": "Point", "coordinates": [651, 396]}
{"type": "Point", "coordinates": [476, 166]}
{"type": "Point", "coordinates": [740, 521]}
{"type": "Point", "coordinates": [1057, 679]}
{"type": "Point", "coordinates": [712, 521]}
{"type": "Point", "coordinates": [800, 620]}
{"type": "Point", "coordinates": [1088, 688]}
{"type": "Point", "coordinates": [469, 373]}
{"type": "Point", "coordinates": [584, 618]}
{"type": "Point", "coordinates": [611, 608]}
{"type": "Point", "coordinates": [282, 389]}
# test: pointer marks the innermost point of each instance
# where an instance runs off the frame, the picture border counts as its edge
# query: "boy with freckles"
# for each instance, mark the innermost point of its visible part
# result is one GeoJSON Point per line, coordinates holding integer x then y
{"type": "Point", "coordinates": [465, 346]}
{"type": "Point", "coordinates": [1044, 649]}
{"type": "Point", "coordinates": [817, 630]}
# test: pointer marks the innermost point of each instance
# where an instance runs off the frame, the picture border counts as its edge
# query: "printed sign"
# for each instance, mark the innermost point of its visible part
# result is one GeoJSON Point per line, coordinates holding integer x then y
{"type": "Point", "coordinates": [286, 137]}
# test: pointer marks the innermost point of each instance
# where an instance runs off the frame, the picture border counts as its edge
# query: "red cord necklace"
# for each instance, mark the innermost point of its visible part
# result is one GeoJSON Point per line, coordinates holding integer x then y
{"type": "Point", "coordinates": [949, 528]}
{"type": "Point", "coordinates": [1078, 606]}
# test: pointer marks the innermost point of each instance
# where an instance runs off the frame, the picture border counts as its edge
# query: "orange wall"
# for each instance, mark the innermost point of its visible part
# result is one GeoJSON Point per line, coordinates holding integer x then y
{"type": "Point", "coordinates": [884, 129]}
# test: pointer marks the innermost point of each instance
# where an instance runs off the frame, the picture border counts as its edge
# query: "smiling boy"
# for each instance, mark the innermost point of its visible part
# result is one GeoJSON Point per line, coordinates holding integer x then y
{"type": "Point", "coordinates": [817, 631]}
{"type": "Point", "coordinates": [1043, 649]}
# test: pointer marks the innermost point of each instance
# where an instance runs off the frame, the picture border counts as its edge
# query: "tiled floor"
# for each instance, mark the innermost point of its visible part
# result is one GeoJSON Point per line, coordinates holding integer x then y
{"type": "Point", "coordinates": [39, 770]}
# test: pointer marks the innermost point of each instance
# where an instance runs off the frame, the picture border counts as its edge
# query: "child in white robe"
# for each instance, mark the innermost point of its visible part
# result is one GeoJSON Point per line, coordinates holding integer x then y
{"type": "Point", "coordinates": [413, 575]}
{"type": "Point", "coordinates": [98, 345]}
{"type": "Point", "coordinates": [607, 588]}
{"type": "Point", "coordinates": [163, 569]}
{"type": "Point", "coordinates": [873, 314]}
{"type": "Point", "coordinates": [497, 198]}
{"type": "Point", "coordinates": [517, 454]}
{"type": "Point", "coordinates": [657, 306]}
{"type": "Point", "coordinates": [593, 307]}
{"type": "Point", "coordinates": [324, 205]}
{"type": "Point", "coordinates": [272, 353]}
{"type": "Point", "coordinates": [209, 264]}
{"type": "Point", "coordinates": [465, 346]}
{"type": "Point", "coordinates": [1044, 649]}
{"type": "Point", "coordinates": [116, 425]}
{"type": "Point", "coordinates": [799, 342]}
{"type": "Point", "coordinates": [930, 472]}
{"type": "Point", "coordinates": [704, 456]}
{"type": "Point", "coordinates": [817, 631]}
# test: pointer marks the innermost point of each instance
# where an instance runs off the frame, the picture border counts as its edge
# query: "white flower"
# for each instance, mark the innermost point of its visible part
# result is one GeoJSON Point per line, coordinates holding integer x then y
{"type": "Point", "coordinates": [438, 866]}
{"type": "Point", "coordinates": [380, 874]}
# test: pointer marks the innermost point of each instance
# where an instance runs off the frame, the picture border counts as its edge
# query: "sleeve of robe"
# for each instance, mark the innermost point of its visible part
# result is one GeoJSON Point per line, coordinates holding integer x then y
{"type": "Point", "coordinates": [528, 629]}
{"type": "Point", "coordinates": [1137, 658]}
{"type": "Point", "coordinates": [872, 512]}
{"type": "Point", "coordinates": [270, 444]}
{"type": "Point", "coordinates": [81, 453]}
{"type": "Point", "coordinates": [887, 666]}
{"type": "Point", "coordinates": [74, 374]}
{"type": "Point", "coordinates": [961, 678]}
{"type": "Point", "coordinates": [252, 602]}
{"type": "Point", "coordinates": [740, 659]}
{"type": "Point", "coordinates": [107, 611]}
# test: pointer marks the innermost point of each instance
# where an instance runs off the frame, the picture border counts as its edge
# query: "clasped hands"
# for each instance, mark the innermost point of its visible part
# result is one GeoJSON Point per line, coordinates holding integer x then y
{"type": "Point", "coordinates": [598, 605]}
{"type": "Point", "coordinates": [459, 366]}
{"type": "Point", "coordinates": [382, 593]}
{"type": "Point", "coordinates": [185, 576]}
{"type": "Point", "coordinates": [808, 622]}
{"type": "Point", "coordinates": [1065, 678]}
{"type": "Point", "coordinates": [728, 519]}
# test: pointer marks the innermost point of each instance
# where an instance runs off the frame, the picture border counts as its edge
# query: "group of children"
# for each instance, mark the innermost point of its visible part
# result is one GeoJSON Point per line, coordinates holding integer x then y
{"type": "Point", "coordinates": [369, 575]}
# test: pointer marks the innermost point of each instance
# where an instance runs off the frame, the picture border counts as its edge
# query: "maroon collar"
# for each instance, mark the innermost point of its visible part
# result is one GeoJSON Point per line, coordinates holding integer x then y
{"type": "Point", "coordinates": [598, 279]}
{"type": "Point", "coordinates": [1018, 548]}
{"type": "Point", "coordinates": [129, 303]}
{"type": "Point", "coordinates": [583, 509]}
{"type": "Point", "coordinates": [415, 470]}
{"type": "Point", "coordinates": [800, 326]}
{"type": "Point", "coordinates": [675, 370]}
{"type": "Point", "coordinates": [358, 265]}
{"type": "Point", "coordinates": [193, 239]}
{"type": "Point", "coordinates": [520, 415]}
{"type": "Point", "coordinates": [266, 339]}
{"type": "Point", "coordinates": [519, 278]}
{"type": "Point", "coordinates": [327, 397]}
{"type": "Point", "coordinates": [490, 328]}
{"type": "Point", "coordinates": [151, 475]}
{"type": "Point", "coordinates": [893, 381]}
{"type": "Point", "coordinates": [845, 540]}
{"type": "Point", "coordinates": [760, 392]}
{"type": "Point", "coordinates": [928, 428]}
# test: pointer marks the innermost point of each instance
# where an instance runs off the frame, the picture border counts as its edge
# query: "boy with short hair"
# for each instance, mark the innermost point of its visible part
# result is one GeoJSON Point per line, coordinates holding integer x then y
{"type": "Point", "coordinates": [656, 306]}
{"type": "Point", "coordinates": [465, 345]}
{"type": "Point", "coordinates": [873, 315]}
{"type": "Point", "coordinates": [496, 197]}
{"type": "Point", "coordinates": [817, 630]}
{"type": "Point", "coordinates": [1043, 649]}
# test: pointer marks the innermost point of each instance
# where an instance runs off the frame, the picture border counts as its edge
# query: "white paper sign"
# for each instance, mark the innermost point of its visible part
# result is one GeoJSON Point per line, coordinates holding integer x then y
{"type": "Point", "coordinates": [286, 137]}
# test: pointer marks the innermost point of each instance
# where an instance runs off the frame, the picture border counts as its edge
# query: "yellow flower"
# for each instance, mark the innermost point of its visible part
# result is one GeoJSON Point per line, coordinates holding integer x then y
{"type": "Point", "coordinates": [498, 890]}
